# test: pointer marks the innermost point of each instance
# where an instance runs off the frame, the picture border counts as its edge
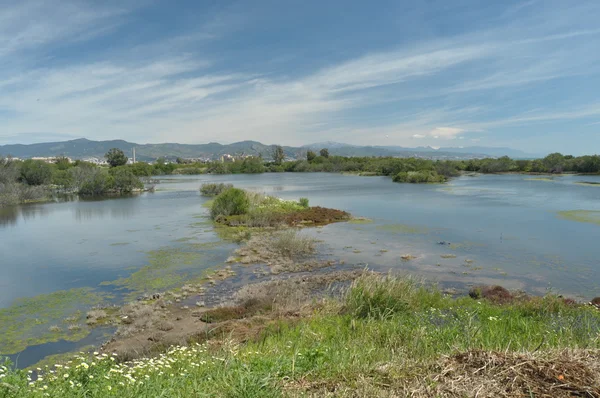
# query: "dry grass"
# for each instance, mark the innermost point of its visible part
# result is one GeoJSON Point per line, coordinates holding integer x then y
{"type": "Point", "coordinates": [280, 250]}
{"type": "Point", "coordinates": [569, 373]}
{"type": "Point", "coordinates": [292, 244]}
{"type": "Point", "coordinates": [481, 374]}
{"type": "Point", "coordinates": [138, 317]}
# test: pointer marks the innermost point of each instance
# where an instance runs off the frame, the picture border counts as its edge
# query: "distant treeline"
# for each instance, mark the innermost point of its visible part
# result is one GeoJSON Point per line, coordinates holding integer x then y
{"type": "Point", "coordinates": [36, 180]}
{"type": "Point", "coordinates": [33, 180]}
{"type": "Point", "coordinates": [401, 169]}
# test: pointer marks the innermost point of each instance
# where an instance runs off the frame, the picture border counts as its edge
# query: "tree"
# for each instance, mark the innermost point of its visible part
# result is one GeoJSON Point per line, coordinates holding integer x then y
{"type": "Point", "coordinates": [115, 157]}
{"type": "Point", "coordinates": [554, 162]}
{"type": "Point", "coordinates": [324, 152]}
{"type": "Point", "coordinates": [278, 155]}
{"type": "Point", "coordinates": [35, 172]}
{"type": "Point", "coordinates": [9, 170]}
{"type": "Point", "coordinates": [310, 156]}
{"type": "Point", "coordinates": [253, 165]}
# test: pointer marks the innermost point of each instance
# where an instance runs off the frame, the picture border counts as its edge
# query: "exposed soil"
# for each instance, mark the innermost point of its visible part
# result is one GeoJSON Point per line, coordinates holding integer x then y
{"type": "Point", "coordinates": [149, 327]}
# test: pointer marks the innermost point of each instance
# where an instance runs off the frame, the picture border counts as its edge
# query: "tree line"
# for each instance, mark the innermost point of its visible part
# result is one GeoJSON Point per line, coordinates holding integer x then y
{"type": "Point", "coordinates": [31, 180]}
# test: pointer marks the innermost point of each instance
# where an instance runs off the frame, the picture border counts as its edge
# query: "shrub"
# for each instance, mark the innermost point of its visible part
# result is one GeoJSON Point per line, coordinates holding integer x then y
{"type": "Point", "coordinates": [125, 181]}
{"type": "Point", "coordinates": [304, 202]}
{"type": "Point", "coordinates": [211, 189]}
{"type": "Point", "coordinates": [230, 202]}
{"type": "Point", "coordinates": [419, 177]}
{"type": "Point", "coordinates": [190, 170]}
{"type": "Point", "coordinates": [35, 172]}
{"type": "Point", "coordinates": [96, 182]}
{"type": "Point", "coordinates": [291, 244]}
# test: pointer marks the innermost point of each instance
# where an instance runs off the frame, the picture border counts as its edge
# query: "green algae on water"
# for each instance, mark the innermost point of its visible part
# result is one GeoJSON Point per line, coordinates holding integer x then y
{"type": "Point", "coordinates": [588, 183]}
{"type": "Point", "coordinates": [403, 229]}
{"type": "Point", "coordinates": [360, 221]}
{"type": "Point", "coordinates": [28, 321]}
{"type": "Point", "coordinates": [163, 271]}
{"type": "Point", "coordinates": [547, 179]}
{"type": "Point", "coordinates": [587, 216]}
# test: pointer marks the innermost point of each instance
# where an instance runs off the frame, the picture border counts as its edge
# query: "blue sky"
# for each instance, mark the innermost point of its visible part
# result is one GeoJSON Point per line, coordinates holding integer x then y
{"type": "Point", "coordinates": [523, 74]}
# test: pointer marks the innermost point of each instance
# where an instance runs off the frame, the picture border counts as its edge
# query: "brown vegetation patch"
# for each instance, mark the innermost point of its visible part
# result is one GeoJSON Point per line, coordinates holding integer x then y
{"type": "Point", "coordinates": [495, 374]}
{"type": "Point", "coordinates": [496, 294]}
{"type": "Point", "coordinates": [316, 216]}
{"type": "Point", "coordinates": [481, 374]}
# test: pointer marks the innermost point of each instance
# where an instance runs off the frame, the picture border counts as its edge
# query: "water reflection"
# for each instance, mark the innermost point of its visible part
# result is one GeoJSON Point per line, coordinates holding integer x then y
{"type": "Point", "coordinates": [89, 213]}
{"type": "Point", "coordinates": [11, 215]}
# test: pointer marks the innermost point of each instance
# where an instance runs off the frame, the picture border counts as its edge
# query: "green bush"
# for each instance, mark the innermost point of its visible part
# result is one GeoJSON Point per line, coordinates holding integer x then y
{"type": "Point", "coordinates": [304, 202]}
{"type": "Point", "coordinates": [125, 181]}
{"type": "Point", "coordinates": [96, 182]}
{"type": "Point", "coordinates": [62, 178]}
{"type": "Point", "coordinates": [36, 172]}
{"type": "Point", "coordinates": [419, 177]}
{"type": "Point", "coordinates": [211, 189]}
{"type": "Point", "coordinates": [230, 202]}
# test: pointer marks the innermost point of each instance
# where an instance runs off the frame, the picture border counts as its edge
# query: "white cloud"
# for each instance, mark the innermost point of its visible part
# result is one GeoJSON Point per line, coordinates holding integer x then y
{"type": "Point", "coordinates": [445, 132]}
{"type": "Point", "coordinates": [181, 96]}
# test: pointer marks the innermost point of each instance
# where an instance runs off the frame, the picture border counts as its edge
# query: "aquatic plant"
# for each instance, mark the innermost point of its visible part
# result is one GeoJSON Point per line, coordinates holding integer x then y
{"type": "Point", "coordinates": [586, 216]}
{"type": "Point", "coordinates": [26, 321]}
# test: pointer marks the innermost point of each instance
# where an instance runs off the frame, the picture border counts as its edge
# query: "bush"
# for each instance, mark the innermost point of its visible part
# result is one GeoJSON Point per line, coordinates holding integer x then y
{"type": "Point", "coordinates": [419, 177]}
{"type": "Point", "coordinates": [36, 172]}
{"type": "Point", "coordinates": [190, 170]}
{"type": "Point", "coordinates": [62, 178]}
{"type": "Point", "coordinates": [304, 202]}
{"type": "Point", "coordinates": [125, 181]}
{"type": "Point", "coordinates": [291, 244]}
{"type": "Point", "coordinates": [230, 202]}
{"type": "Point", "coordinates": [96, 182]}
{"type": "Point", "coordinates": [211, 189]}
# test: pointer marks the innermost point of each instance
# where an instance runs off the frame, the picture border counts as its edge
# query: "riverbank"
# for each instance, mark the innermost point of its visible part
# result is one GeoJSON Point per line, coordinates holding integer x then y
{"type": "Point", "coordinates": [382, 336]}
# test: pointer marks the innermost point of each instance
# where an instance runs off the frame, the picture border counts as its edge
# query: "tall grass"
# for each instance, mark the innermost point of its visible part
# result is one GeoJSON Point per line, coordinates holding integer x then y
{"type": "Point", "coordinates": [292, 244]}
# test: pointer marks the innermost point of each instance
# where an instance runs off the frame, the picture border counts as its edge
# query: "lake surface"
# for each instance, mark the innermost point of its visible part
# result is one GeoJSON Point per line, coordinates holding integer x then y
{"type": "Point", "coordinates": [476, 229]}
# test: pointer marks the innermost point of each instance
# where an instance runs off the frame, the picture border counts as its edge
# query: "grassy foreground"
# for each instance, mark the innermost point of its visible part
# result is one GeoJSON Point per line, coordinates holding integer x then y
{"type": "Point", "coordinates": [386, 336]}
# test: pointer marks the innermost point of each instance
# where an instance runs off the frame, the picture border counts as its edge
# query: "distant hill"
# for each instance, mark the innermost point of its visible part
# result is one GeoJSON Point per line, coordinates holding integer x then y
{"type": "Point", "coordinates": [83, 148]}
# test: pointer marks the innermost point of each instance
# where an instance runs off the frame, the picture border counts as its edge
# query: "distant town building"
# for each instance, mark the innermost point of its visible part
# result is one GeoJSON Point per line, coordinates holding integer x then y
{"type": "Point", "coordinates": [51, 159]}
{"type": "Point", "coordinates": [96, 161]}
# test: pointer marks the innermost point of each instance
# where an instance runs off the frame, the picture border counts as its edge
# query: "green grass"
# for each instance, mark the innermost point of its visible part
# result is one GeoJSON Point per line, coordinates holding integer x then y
{"type": "Point", "coordinates": [382, 321]}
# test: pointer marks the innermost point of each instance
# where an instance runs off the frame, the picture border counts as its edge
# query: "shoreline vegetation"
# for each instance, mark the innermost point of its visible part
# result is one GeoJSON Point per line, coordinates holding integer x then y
{"type": "Point", "coordinates": [35, 181]}
{"type": "Point", "coordinates": [315, 330]}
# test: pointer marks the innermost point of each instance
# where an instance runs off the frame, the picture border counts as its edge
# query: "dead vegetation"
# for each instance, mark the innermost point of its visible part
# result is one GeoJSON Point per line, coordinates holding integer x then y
{"type": "Point", "coordinates": [571, 373]}
{"type": "Point", "coordinates": [481, 374]}
{"type": "Point", "coordinates": [496, 294]}
{"type": "Point", "coordinates": [282, 251]}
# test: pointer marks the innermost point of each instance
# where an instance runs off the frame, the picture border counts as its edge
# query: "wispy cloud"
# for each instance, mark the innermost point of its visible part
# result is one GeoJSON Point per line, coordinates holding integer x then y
{"type": "Point", "coordinates": [182, 88]}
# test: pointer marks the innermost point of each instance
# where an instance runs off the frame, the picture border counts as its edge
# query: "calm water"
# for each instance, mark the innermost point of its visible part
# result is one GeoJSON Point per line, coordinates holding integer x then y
{"type": "Point", "coordinates": [500, 228]}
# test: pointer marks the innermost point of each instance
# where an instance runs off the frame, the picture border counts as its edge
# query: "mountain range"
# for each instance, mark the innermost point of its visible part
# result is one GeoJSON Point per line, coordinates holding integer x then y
{"type": "Point", "coordinates": [83, 148]}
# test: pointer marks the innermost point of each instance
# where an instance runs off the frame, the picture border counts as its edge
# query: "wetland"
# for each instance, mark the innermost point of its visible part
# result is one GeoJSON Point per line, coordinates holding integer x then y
{"type": "Point", "coordinates": [59, 260]}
